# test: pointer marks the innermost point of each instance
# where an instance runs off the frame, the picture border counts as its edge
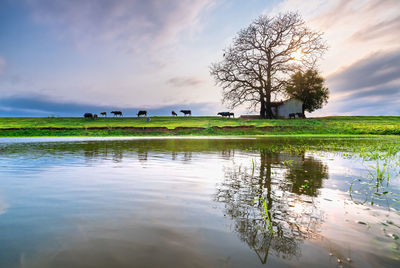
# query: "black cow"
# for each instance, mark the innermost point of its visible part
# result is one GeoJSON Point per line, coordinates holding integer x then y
{"type": "Point", "coordinates": [104, 114]}
{"type": "Point", "coordinates": [186, 112]}
{"type": "Point", "coordinates": [300, 115]}
{"type": "Point", "coordinates": [226, 114]}
{"type": "Point", "coordinates": [174, 114]}
{"type": "Point", "coordinates": [95, 116]}
{"type": "Point", "coordinates": [292, 115]}
{"type": "Point", "coordinates": [88, 115]}
{"type": "Point", "coordinates": [117, 113]}
{"type": "Point", "coordinates": [142, 113]}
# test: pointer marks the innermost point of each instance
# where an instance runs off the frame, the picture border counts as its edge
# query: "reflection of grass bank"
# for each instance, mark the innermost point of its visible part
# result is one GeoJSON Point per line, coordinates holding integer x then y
{"type": "Point", "coordinates": [203, 126]}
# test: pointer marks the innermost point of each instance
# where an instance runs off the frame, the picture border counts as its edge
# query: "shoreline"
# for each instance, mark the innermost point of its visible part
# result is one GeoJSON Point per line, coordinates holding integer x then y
{"type": "Point", "coordinates": [168, 135]}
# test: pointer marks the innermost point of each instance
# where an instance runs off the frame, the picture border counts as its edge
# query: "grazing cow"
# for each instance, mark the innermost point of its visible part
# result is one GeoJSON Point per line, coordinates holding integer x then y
{"type": "Point", "coordinates": [142, 113]}
{"type": "Point", "coordinates": [300, 115]}
{"type": "Point", "coordinates": [226, 114]}
{"type": "Point", "coordinates": [104, 114]}
{"type": "Point", "coordinates": [174, 114]}
{"type": "Point", "coordinates": [186, 112]}
{"type": "Point", "coordinates": [88, 115]}
{"type": "Point", "coordinates": [292, 115]}
{"type": "Point", "coordinates": [95, 116]}
{"type": "Point", "coordinates": [117, 113]}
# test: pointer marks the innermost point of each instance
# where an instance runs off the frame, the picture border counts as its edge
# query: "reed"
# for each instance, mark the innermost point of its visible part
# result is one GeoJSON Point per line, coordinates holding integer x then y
{"type": "Point", "coordinates": [265, 214]}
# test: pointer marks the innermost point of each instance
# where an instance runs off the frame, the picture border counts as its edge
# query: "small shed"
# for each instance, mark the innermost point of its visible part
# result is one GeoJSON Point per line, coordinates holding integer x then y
{"type": "Point", "coordinates": [282, 109]}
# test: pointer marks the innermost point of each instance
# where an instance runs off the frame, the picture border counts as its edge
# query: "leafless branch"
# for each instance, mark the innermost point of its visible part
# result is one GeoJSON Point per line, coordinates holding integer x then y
{"type": "Point", "coordinates": [260, 60]}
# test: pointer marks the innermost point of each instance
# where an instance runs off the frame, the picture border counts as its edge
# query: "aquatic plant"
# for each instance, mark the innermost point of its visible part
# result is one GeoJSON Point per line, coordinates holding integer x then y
{"type": "Point", "coordinates": [380, 157]}
{"type": "Point", "coordinates": [379, 171]}
{"type": "Point", "coordinates": [287, 163]}
{"type": "Point", "coordinates": [265, 214]}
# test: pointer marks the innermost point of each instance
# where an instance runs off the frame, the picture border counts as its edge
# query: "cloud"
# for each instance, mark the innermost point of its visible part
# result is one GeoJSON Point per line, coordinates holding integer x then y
{"type": "Point", "coordinates": [343, 11]}
{"type": "Point", "coordinates": [352, 28]}
{"type": "Point", "coordinates": [375, 70]}
{"type": "Point", "coordinates": [377, 94]}
{"type": "Point", "coordinates": [385, 28]}
{"type": "Point", "coordinates": [184, 81]}
{"type": "Point", "coordinates": [40, 105]}
{"type": "Point", "coordinates": [370, 86]}
{"type": "Point", "coordinates": [362, 62]}
{"type": "Point", "coordinates": [2, 65]}
{"type": "Point", "coordinates": [136, 23]}
{"type": "Point", "coordinates": [381, 101]}
{"type": "Point", "coordinates": [368, 106]}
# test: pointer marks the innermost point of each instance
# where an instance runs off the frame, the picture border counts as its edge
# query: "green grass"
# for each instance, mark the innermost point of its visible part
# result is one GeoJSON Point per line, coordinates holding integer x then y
{"type": "Point", "coordinates": [76, 126]}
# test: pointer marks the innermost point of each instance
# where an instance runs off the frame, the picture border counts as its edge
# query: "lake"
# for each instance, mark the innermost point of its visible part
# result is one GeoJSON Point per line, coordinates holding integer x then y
{"type": "Point", "coordinates": [190, 202]}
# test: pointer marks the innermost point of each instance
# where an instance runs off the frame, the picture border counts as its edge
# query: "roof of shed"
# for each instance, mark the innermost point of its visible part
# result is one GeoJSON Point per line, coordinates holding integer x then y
{"type": "Point", "coordinates": [279, 103]}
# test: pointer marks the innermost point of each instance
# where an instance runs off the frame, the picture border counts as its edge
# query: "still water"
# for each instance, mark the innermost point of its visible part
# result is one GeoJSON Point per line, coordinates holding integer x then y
{"type": "Point", "coordinates": [190, 203]}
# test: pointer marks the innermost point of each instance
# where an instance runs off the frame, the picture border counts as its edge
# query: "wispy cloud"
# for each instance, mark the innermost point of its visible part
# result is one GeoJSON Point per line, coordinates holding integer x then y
{"type": "Point", "coordinates": [170, 45]}
{"type": "Point", "coordinates": [2, 65]}
{"type": "Point", "coordinates": [137, 24]}
{"type": "Point", "coordinates": [382, 105]}
{"type": "Point", "coordinates": [370, 86]}
{"type": "Point", "coordinates": [366, 21]}
{"type": "Point", "coordinates": [389, 28]}
{"type": "Point", "coordinates": [374, 70]}
{"type": "Point", "coordinates": [184, 81]}
{"type": "Point", "coordinates": [352, 28]}
{"type": "Point", "coordinates": [362, 64]}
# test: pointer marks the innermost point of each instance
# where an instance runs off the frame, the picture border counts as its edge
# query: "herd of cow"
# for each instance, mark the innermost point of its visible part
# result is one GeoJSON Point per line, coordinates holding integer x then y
{"type": "Point", "coordinates": [173, 113]}
{"type": "Point", "coordinates": [95, 116]}
{"type": "Point", "coordinates": [144, 113]}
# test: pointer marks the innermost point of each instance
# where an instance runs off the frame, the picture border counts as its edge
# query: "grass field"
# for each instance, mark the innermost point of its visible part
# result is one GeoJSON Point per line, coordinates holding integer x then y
{"type": "Point", "coordinates": [132, 126]}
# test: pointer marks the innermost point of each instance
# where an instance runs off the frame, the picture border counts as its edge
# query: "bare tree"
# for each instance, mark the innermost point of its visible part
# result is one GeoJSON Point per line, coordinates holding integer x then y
{"type": "Point", "coordinates": [262, 58]}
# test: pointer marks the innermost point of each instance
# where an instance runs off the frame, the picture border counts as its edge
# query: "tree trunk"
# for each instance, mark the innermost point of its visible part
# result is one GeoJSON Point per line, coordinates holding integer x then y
{"type": "Point", "coordinates": [268, 109]}
{"type": "Point", "coordinates": [262, 108]}
{"type": "Point", "coordinates": [304, 111]}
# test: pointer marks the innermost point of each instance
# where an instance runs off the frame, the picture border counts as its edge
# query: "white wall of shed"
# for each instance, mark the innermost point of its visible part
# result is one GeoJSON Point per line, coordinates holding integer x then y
{"type": "Point", "coordinates": [289, 107]}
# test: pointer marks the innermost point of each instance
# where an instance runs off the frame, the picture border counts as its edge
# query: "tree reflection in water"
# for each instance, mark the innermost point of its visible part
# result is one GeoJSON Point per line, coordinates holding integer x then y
{"type": "Point", "coordinates": [289, 191]}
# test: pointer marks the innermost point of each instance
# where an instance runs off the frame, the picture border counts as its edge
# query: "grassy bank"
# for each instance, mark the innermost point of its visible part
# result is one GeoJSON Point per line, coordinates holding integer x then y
{"type": "Point", "coordinates": [205, 126]}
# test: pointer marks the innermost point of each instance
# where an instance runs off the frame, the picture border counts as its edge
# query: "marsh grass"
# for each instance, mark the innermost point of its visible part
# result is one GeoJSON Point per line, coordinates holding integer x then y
{"type": "Point", "coordinates": [265, 214]}
{"type": "Point", "coordinates": [287, 163]}
{"type": "Point", "coordinates": [379, 156]}
{"type": "Point", "coordinates": [381, 163]}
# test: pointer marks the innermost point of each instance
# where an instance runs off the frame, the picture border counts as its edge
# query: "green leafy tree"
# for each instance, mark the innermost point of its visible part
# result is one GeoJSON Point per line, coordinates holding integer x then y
{"type": "Point", "coordinates": [309, 88]}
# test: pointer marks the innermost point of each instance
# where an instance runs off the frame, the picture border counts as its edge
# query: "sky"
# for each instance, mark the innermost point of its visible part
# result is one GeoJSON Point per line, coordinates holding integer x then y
{"type": "Point", "coordinates": [67, 57]}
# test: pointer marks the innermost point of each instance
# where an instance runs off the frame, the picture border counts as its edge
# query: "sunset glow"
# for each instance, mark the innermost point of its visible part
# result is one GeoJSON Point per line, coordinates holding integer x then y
{"type": "Point", "coordinates": [60, 57]}
{"type": "Point", "coordinates": [297, 55]}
